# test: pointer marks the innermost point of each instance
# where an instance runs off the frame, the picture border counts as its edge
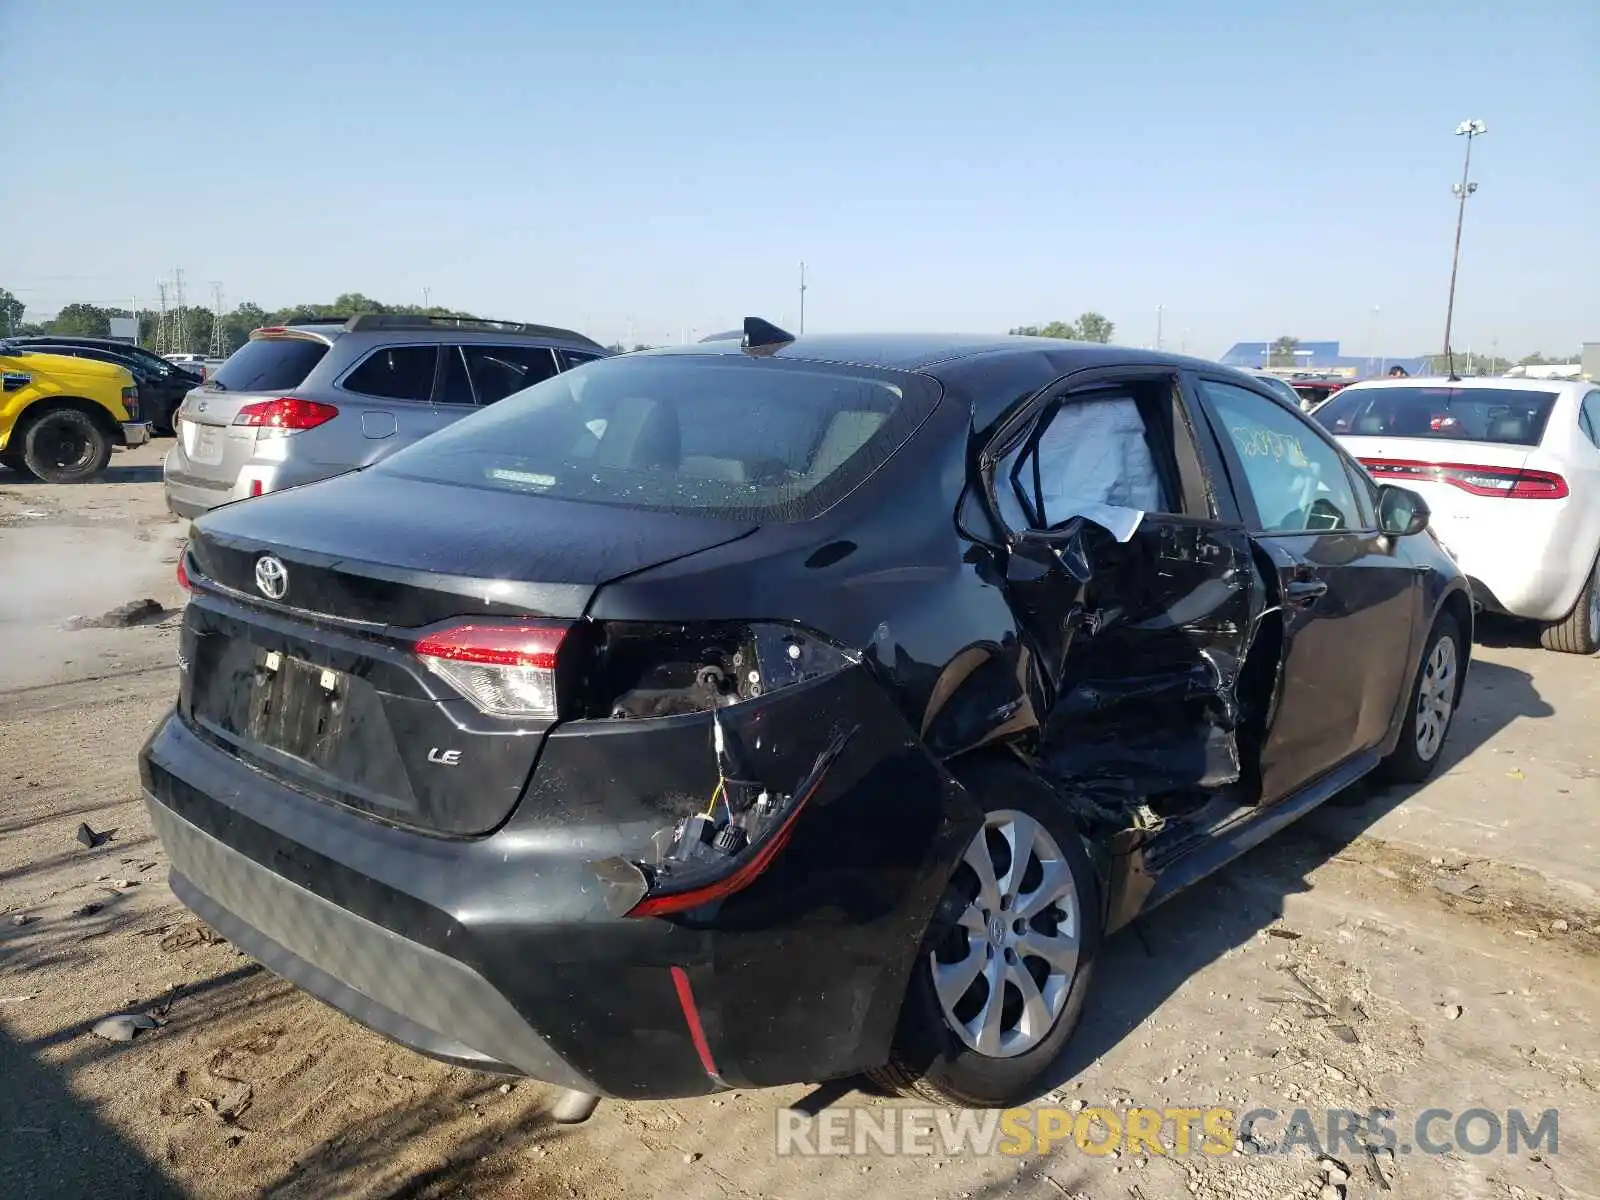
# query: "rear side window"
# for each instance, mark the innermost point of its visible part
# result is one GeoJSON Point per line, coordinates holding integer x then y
{"type": "Point", "coordinates": [1508, 416]}
{"type": "Point", "coordinates": [576, 358]}
{"type": "Point", "coordinates": [498, 371]}
{"type": "Point", "coordinates": [1092, 454]}
{"type": "Point", "coordinates": [395, 373]}
{"type": "Point", "coordinates": [1589, 417]}
{"type": "Point", "coordinates": [271, 364]}
{"type": "Point", "coordinates": [710, 434]}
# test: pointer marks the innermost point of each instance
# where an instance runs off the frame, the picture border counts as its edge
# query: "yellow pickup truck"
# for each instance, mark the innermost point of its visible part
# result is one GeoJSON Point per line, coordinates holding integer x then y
{"type": "Point", "coordinates": [60, 417]}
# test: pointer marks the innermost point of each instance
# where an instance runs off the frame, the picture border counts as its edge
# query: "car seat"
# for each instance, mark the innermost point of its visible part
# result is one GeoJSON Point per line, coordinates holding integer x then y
{"type": "Point", "coordinates": [847, 432]}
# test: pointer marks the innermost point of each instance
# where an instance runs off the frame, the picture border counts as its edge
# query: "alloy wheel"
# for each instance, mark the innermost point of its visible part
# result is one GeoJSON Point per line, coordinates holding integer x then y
{"type": "Point", "coordinates": [1005, 970]}
{"type": "Point", "coordinates": [1436, 698]}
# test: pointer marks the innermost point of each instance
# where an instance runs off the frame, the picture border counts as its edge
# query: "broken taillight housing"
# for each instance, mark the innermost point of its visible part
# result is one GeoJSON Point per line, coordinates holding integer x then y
{"type": "Point", "coordinates": [505, 670]}
{"type": "Point", "coordinates": [719, 852]}
{"type": "Point", "coordinates": [659, 670]}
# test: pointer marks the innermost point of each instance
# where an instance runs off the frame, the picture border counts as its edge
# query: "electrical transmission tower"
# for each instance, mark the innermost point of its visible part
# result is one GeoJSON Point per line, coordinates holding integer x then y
{"type": "Point", "coordinates": [216, 319]}
{"type": "Point", "coordinates": [162, 331]}
{"type": "Point", "coordinates": [180, 339]}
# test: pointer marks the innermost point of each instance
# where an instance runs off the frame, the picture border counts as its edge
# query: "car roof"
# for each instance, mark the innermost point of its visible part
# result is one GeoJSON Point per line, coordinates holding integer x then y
{"type": "Point", "coordinates": [923, 351]}
{"type": "Point", "coordinates": [1467, 383]}
{"type": "Point", "coordinates": [116, 349]}
{"type": "Point", "coordinates": [73, 339]}
{"type": "Point", "coordinates": [398, 327]}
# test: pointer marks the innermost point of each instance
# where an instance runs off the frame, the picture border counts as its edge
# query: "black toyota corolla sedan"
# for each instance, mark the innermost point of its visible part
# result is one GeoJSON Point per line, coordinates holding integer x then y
{"type": "Point", "coordinates": [775, 709]}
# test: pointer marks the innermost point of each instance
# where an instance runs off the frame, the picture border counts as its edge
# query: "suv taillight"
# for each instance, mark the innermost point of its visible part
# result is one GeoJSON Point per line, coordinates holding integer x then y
{"type": "Point", "coordinates": [1506, 482]}
{"type": "Point", "coordinates": [285, 415]}
{"type": "Point", "coordinates": [505, 670]}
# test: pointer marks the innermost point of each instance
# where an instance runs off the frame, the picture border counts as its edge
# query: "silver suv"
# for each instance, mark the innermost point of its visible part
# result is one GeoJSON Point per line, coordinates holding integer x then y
{"type": "Point", "coordinates": [298, 403]}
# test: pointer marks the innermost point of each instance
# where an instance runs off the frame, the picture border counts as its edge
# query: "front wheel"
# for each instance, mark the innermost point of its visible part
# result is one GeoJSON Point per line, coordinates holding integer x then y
{"type": "Point", "coordinates": [1433, 705]}
{"type": "Point", "coordinates": [66, 446]}
{"type": "Point", "coordinates": [1000, 980]}
{"type": "Point", "coordinates": [14, 461]}
{"type": "Point", "coordinates": [1580, 632]}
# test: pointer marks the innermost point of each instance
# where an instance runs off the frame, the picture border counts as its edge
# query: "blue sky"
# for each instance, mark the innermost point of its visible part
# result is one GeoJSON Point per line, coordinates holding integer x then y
{"type": "Point", "coordinates": [1256, 168]}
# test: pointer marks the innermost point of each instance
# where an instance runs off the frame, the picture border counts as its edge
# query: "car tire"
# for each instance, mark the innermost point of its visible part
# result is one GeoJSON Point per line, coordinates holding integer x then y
{"type": "Point", "coordinates": [1580, 632]}
{"type": "Point", "coordinates": [929, 1058]}
{"type": "Point", "coordinates": [15, 462]}
{"type": "Point", "coordinates": [65, 445]}
{"type": "Point", "coordinates": [1434, 697]}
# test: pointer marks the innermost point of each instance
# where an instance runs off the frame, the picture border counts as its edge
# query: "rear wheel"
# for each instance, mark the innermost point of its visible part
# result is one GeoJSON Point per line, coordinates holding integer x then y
{"type": "Point", "coordinates": [65, 446]}
{"type": "Point", "coordinates": [1433, 705]}
{"type": "Point", "coordinates": [1000, 980]}
{"type": "Point", "coordinates": [1580, 632]}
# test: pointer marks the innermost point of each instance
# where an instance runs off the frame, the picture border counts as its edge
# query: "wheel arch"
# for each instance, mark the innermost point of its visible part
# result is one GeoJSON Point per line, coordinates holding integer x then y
{"type": "Point", "coordinates": [102, 419]}
{"type": "Point", "coordinates": [1457, 602]}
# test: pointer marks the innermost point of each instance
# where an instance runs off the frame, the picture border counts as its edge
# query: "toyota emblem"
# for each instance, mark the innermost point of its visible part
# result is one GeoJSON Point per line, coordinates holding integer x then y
{"type": "Point", "coordinates": [272, 577]}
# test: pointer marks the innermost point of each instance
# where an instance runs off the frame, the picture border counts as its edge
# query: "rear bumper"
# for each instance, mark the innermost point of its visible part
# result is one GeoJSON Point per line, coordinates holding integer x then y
{"type": "Point", "coordinates": [135, 433]}
{"type": "Point", "coordinates": [1537, 582]}
{"type": "Point", "coordinates": [190, 495]}
{"type": "Point", "coordinates": [187, 494]}
{"type": "Point", "coordinates": [498, 953]}
{"type": "Point", "coordinates": [390, 984]}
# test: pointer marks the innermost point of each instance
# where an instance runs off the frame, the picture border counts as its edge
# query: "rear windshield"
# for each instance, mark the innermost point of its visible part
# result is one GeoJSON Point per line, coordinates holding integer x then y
{"type": "Point", "coordinates": [1510, 416]}
{"type": "Point", "coordinates": [269, 364]}
{"type": "Point", "coordinates": [715, 435]}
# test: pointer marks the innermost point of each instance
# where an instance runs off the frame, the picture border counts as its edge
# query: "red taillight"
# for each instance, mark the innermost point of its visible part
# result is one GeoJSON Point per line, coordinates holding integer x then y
{"type": "Point", "coordinates": [1511, 483]}
{"type": "Point", "coordinates": [183, 571]}
{"type": "Point", "coordinates": [287, 414]}
{"type": "Point", "coordinates": [506, 670]}
{"type": "Point", "coordinates": [257, 487]}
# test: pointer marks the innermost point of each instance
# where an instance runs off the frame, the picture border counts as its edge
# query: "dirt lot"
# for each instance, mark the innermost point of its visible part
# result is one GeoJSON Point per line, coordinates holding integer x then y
{"type": "Point", "coordinates": [1431, 950]}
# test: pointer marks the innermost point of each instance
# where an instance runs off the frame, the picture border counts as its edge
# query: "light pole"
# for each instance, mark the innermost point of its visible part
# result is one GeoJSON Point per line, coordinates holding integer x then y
{"type": "Point", "coordinates": [1468, 130]}
{"type": "Point", "coordinates": [1160, 309]}
{"type": "Point", "coordinates": [802, 296]}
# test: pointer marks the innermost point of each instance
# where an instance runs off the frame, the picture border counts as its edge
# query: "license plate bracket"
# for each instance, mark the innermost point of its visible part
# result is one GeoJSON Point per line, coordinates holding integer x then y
{"type": "Point", "coordinates": [297, 707]}
{"type": "Point", "coordinates": [208, 445]}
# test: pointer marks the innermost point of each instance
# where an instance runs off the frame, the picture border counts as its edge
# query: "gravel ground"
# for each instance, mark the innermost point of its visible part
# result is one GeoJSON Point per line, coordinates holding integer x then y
{"type": "Point", "coordinates": [1436, 949]}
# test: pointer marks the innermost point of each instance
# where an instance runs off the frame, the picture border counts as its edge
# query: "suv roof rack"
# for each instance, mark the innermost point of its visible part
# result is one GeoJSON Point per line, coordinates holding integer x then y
{"type": "Point", "coordinates": [401, 321]}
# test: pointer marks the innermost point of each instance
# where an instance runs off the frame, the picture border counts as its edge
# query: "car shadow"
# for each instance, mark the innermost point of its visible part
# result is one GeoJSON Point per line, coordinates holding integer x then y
{"type": "Point", "coordinates": [132, 473]}
{"type": "Point", "coordinates": [55, 1143]}
{"type": "Point", "coordinates": [1492, 630]}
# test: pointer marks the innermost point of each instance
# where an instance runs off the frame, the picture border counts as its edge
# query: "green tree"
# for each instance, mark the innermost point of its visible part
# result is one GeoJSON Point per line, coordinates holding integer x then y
{"type": "Point", "coordinates": [11, 310]}
{"type": "Point", "coordinates": [1282, 352]}
{"type": "Point", "coordinates": [82, 320]}
{"type": "Point", "coordinates": [1092, 327]}
{"type": "Point", "coordinates": [1056, 329]}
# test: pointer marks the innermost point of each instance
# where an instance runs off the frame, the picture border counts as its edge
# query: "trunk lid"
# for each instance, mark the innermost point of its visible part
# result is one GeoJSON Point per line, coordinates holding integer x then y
{"type": "Point", "coordinates": [270, 365]}
{"type": "Point", "coordinates": [319, 687]}
{"type": "Point", "coordinates": [1409, 465]}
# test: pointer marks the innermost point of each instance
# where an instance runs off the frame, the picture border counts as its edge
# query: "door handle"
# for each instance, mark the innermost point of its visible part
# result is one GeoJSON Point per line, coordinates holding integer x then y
{"type": "Point", "coordinates": [1305, 592]}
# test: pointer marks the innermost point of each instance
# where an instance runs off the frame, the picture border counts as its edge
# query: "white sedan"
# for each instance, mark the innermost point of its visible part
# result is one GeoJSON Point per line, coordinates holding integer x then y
{"type": "Point", "coordinates": [1511, 471]}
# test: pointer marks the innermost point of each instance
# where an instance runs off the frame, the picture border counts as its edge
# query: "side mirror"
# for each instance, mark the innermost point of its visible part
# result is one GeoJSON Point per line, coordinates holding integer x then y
{"type": "Point", "coordinates": [1401, 512]}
